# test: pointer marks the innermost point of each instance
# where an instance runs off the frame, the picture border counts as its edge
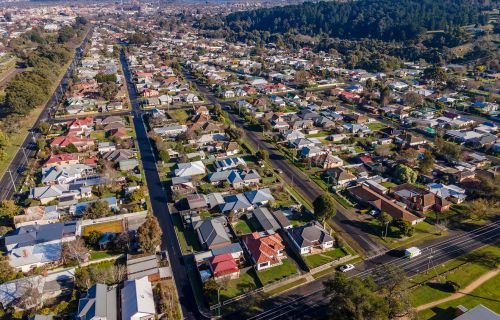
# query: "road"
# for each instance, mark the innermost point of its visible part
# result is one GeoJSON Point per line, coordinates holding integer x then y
{"type": "Point", "coordinates": [309, 301]}
{"type": "Point", "coordinates": [301, 182]}
{"type": "Point", "coordinates": [13, 177]}
{"type": "Point", "coordinates": [159, 201]}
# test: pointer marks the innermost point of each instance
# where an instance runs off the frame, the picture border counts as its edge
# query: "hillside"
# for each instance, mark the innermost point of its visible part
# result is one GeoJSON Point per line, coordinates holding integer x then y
{"type": "Point", "coordinates": [380, 19]}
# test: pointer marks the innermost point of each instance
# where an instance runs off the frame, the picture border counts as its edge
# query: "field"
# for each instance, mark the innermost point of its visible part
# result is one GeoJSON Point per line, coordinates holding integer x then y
{"type": "Point", "coordinates": [112, 226]}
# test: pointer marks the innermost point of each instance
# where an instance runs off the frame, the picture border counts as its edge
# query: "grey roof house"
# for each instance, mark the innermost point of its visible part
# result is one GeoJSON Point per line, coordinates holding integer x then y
{"type": "Point", "coordinates": [100, 302]}
{"type": "Point", "coordinates": [310, 237]}
{"type": "Point", "coordinates": [266, 220]}
{"type": "Point", "coordinates": [212, 232]}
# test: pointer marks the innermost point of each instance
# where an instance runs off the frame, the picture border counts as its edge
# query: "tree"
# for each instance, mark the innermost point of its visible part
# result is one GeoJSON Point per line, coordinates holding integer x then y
{"type": "Point", "coordinates": [8, 209]}
{"type": "Point", "coordinates": [324, 207]}
{"type": "Point", "coordinates": [137, 195]}
{"type": "Point", "coordinates": [449, 150]}
{"type": "Point", "coordinates": [7, 273]}
{"type": "Point", "coordinates": [93, 238]}
{"type": "Point", "coordinates": [405, 227]}
{"type": "Point", "coordinates": [234, 133]}
{"type": "Point", "coordinates": [435, 73]}
{"type": "Point", "coordinates": [211, 289]}
{"type": "Point", "coordinates": [300, 77]}
{"type": "Point", "coordinates": [409, 155]}
{"type": "Point", "coordinates": [385, 95]}
{"type": "Point", "coordinates": [481, 209]}
{"type": "Point", "coordinates": [383, 150]}
{"type": "Point", "coordinates": [164, 156]}
{"type": "Point", "coordinates": [108, 90]}
{"type": "Point", "coordinates": [103, 77]}
{"type": "Point", "coordinates": [44, 128]}
{"type": "Point", "coordinates": [74, 252]}
{"type": "Point", "coordinates": [427, 162]}
{"type": "Point", "coordinates": [97, 209]}
{"type": "Point", "coordinates": [385, 219]}
{"type": "Point", "coordinates": [405, 174]}
{"type": "Point", "coordinates": [262, 155]}
{"type": "Point", "coordinates": [355, 299]}
{"type": "Point", "coordinates": [122, 242]}
{"type": "Point", "coordinates": [413, 99]}
{"type": "Point", "coordinates": [149, 235]}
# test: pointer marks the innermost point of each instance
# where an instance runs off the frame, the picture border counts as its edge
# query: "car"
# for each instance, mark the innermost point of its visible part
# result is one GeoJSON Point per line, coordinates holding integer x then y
{"type": "Point", "coordinates": [373, 212]}
{"type": "Point", "coordinates": [279, 171]}
{"type": "Point", "coordinates": [347, 267]}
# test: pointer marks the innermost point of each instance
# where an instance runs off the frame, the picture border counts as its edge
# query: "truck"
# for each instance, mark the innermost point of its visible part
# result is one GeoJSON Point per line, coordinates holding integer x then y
{"type": "Point", "coordinates": [412, 252]}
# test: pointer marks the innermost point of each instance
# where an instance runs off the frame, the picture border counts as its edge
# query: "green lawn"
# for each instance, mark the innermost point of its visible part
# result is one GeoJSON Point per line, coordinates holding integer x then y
{"type": "Point", "coordinates": [242, 227]}
{"type": "Point", "coordinates": [375, 126]}
{"type": "Point", "coordinates": [487, 294]}
{"type": "Point", "coordinates": [300, 219]}
{"type": "Point", "coordinates": [343, 202]}
{"type": "Point", "coordinates": [188, 240]}
{"type": "Point", "coordinates": [319, 259]}
{"type": "Point", "coordinates": [465, 271]}
{"type": "Point", "coordinates": [388, 184]}
{"type": "Point", "coordinates": [245, 283]}
{"type": "Point", "coordinates": [179, 115]}
{"type": "Point", "coordinates": [98, 135]}
{"type": "Point", "coordinates": [286, 269]}
{"type": "Point", "coordinates": [96, 255]}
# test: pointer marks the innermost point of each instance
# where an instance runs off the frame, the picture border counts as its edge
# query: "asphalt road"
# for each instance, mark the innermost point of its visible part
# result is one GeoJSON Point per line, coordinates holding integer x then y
{"type": "Point", "coordinates": [13, 176]}
{"type": "Point", "coordinates": [159, 202]}
{"type": "Point", "coordinates": [344, 224]}
{"type": "Point", "coordinates": [309, 301]}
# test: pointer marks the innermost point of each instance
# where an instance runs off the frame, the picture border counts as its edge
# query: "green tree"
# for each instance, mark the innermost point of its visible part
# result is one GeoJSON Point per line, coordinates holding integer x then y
{"type": "Point", "coordinates": [103, 77]}
{"type": "Point", "coordinates": [385, 219]}
{"type": "Point", "coordinates": [108, 90]}
{"type": "Point", "coordinates": [164, 156]}
{"type": "Point", "coordinates": [93, 238]}
{"type": "Point", "coordinates": [97, 209]}
{"type": "Point", "coordinates": [211, 289]}
{"type": "Point", "coordinates": [405, 227]}
{"type": "Point", "coordinates": [435, 73]}
{"type": "Point", "coordinates": [355, 299]}
{"type": "Point", "coordinates": [137, 195]}
{"type": "Point", "coordinates": [404, 174]}
{"type": "Point", "coordinates": [44, 128]}
{"type": "Point", "coordinates": [7, 273]}
{"type": "Point", "coordinates": [427, 162]}
{"type": "Point", "coordinates": [413, 99]}
{"type": "Point", "coordinates": [149, 235]}
{"type": "Point", "coordinates": [324, 207]}
{"type": "Point", "coordinates": [481, 209]}
{"type": "Point", "coordinates": [262, 155]}
{"type": "Point", "coordinates": [8, 209]}
{"type": "Point", "coordinates": [235, 133]}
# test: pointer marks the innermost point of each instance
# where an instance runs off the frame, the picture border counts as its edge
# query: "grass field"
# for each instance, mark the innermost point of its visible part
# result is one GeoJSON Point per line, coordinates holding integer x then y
{"type": "Point", "coordinates": [286, 269]}
{"type": "Point", "coordinates": [286, 287]}
{"type": "Point", "coordinates": [245, 283]}
{"type": "Point", "coordinates": [319, 259]}
{"type": "Point", "coordinates": [487, 294]}
{"type": "Point", "coordinates": [113, 226]}
{"type": "Point", "coordinates": [465, 271]}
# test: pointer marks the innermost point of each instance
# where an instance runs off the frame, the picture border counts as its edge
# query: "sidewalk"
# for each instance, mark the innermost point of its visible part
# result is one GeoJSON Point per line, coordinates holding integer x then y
{"type": "Point", "coordinates": [471, 287]}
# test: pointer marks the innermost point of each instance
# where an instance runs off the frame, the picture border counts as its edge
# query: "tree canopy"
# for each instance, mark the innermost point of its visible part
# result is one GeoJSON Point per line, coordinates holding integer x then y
{"type": "Point", "coordinates": [324, 207]}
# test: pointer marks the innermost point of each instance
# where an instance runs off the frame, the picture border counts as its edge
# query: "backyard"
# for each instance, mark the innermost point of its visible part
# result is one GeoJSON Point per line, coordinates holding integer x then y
{"type": "Point", "coordinates": [112, 226]}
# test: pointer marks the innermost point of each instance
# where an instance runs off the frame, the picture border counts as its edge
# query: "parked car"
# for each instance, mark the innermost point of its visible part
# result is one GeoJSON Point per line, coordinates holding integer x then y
{"type": "Point", "coordinates": [412, 252]}
{"type": "Point", "coordinates": [347, 267]}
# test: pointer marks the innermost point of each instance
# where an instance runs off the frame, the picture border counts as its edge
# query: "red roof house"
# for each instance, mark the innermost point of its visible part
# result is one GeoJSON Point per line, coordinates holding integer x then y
{"type": "Point", "coordinates": [224, 265]}
{"type": "Point", "coordinates": [266, 251]}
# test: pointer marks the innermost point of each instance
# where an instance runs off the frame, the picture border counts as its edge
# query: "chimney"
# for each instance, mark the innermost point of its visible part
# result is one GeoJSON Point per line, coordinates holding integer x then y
{"type": "Point", "coordinates": [25, 253]}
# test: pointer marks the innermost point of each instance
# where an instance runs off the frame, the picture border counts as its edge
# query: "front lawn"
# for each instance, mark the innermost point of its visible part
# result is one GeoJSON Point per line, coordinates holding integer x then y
{"type": "Point", "coordinates": [319, 259]}
{"type": "Point", "coordinates": [299, 219]}
{"type": "Point", "coordinates": [245, 283]}
{"type": "Point", "coordinates": [376, 126]}
{"type": "Point", "coordinates": [487, 294]}
{"type": "Point", "coordinates": [286, 269]}
{"type": "Point", "coordinates": [462, 271]}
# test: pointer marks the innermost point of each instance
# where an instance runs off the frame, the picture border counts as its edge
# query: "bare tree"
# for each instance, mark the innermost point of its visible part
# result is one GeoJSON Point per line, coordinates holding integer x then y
{"type": "Point", "coordinates": [75, 251]}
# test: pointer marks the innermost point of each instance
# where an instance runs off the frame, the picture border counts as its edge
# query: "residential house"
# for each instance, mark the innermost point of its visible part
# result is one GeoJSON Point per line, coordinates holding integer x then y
{"type": "Point", "coordinates": [229, 163]}
{"type": "Point", "coordinates": [236, 178]}
{"type": "Point", "coordinates": [137, 300]}
{"type": "Point", "coordinates": [266, 250]}
{"type": "Point", "coordinates": [190, 169]}
{"type": "Point", "coordinates": [266, 220]}
{"type": "Point", "coordinates": [339, 177]}
{"type": "Point", "coordinates": [100, 302]}
{"type": "Point", "coordinates": [212, 232]}
{"type": "Point", "coordinates": [310, 238]}
{"type": "Point", "coordinates": [418, 199]}
{"type": "Point", "coordinates": [224, 266]}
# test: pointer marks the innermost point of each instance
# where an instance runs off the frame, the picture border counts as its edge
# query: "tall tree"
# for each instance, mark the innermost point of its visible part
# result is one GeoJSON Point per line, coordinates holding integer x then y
{"type": "Point", "coordinates": [97, 209]}
{"type": "Point", "coordinates": [149, 235]}
{"type": "Point", "coordinates": [385, 219]}
{"type": "Point", "coordinates": [324, 207]}
{"type": "Point", "coordinates": [74, 252]}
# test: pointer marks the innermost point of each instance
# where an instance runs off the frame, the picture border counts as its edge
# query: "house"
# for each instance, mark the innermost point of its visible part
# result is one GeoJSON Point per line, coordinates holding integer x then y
{"type": "Point", "coordinates": [143, 266]}
{"type": "Point", "coordinates": [259, 197]}
{"type": "Point", "coordinates": [266, 220]}
{"type": "Point", "coordinates": [310, 238]}
{"type": "Point", "coordinates": [36, 245]}
{"type": "Point", "coordinates": [137, 300]}
{"type": "Point", "coordinates": [224, 266]}
{"type": "Point", "coordinates": [182, 185]}
{"type": "Point", "coordinates": [81, 144]}
{"type": "Point", "coordinates": [196, 201]}
{"type": "Point", "coordinates": [229, 163]}
{"type": "Point", "coordinates": [367, 196]}
{"type": "Point", "coordinates": [266, 250]}
{"type": "Point", "coordinates": [212, 232]}
{"type": "Point", "coordinates": [100, 302]}
{"type": "Point", "coordinates": [418, 199]}
{"type": "Point", "coordinates": [282, 219]}
{"type": "Point", "coordinates": [62, 159]}
{"type": "Point", "coordinates": [235, 203]}
{"type": "Point", "coordinates": [339, 177]}
{"type": "Point", "coordinates": [190, 169]}
{"type": "Point", "coordinates": [327, 161]}
{"type": "Point", "coordinates": [479, 312]}
{"type": "Point", "coordinates": [170, 130]}
{"type": "Point", "coordinates": [128, 164]}
{"type": "Point", "coordinates": [236, 178]}
{"type": "Point", "coordinates": [450, 192]}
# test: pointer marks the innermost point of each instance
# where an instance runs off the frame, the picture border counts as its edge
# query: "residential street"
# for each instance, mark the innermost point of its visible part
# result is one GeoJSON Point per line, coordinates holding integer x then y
{"type": "Point", "coordinates": [302, 184]}
{"type": "Point", "coordinates": [159, 202]}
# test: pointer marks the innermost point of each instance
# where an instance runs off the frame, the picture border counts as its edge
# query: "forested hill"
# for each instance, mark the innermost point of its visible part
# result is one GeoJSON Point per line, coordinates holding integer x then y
{"type": "Point", "coordinates": [380, 19]}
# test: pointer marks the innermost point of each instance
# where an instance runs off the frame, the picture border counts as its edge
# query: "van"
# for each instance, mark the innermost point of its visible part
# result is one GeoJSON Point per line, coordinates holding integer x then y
{"type": "Point", "coordinates": [412, 252]}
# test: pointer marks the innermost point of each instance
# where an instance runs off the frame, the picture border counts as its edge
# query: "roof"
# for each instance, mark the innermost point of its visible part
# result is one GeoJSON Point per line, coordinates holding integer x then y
{"type": "Point", "coordinates": [266, 220]}
{"type": "Point", "coordinates": [263, 248]}
{"type": "Point", "coordinates": [99, 302]}
{"type": "Point", "coordinates": [36, 234]}
{"type": "Point", "coordinates": [212, 232]}
{"type": "Point", "coordinates": [479, 312]}
{"type": "Point", "coordinates": [310, 234]}
{"type": "Point", "coordinates": [369, 196]}
{"type": "Point", "coordinates": [223, 264]}
{"type": "Point", "coordinates": [190, 169]}
{"type": "Point", "coordinates": [141, 267]}
{"type": "Point", "coordinates": [259, 196]}
{"type": "Point", "coordinates": [281, 219]}
{"type": "Point", "coordinates": [137, 298]}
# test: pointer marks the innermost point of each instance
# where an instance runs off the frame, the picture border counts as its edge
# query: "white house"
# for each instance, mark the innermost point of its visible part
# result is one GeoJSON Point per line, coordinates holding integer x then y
{"type": "Point", "coordinates": [190, 169]}
{"type": "Point", "coordinates": [137, 301]}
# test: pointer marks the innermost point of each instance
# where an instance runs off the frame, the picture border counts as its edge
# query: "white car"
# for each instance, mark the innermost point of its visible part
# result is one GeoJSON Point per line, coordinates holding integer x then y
{"type": "Point", "coordinates": [347, 267]}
